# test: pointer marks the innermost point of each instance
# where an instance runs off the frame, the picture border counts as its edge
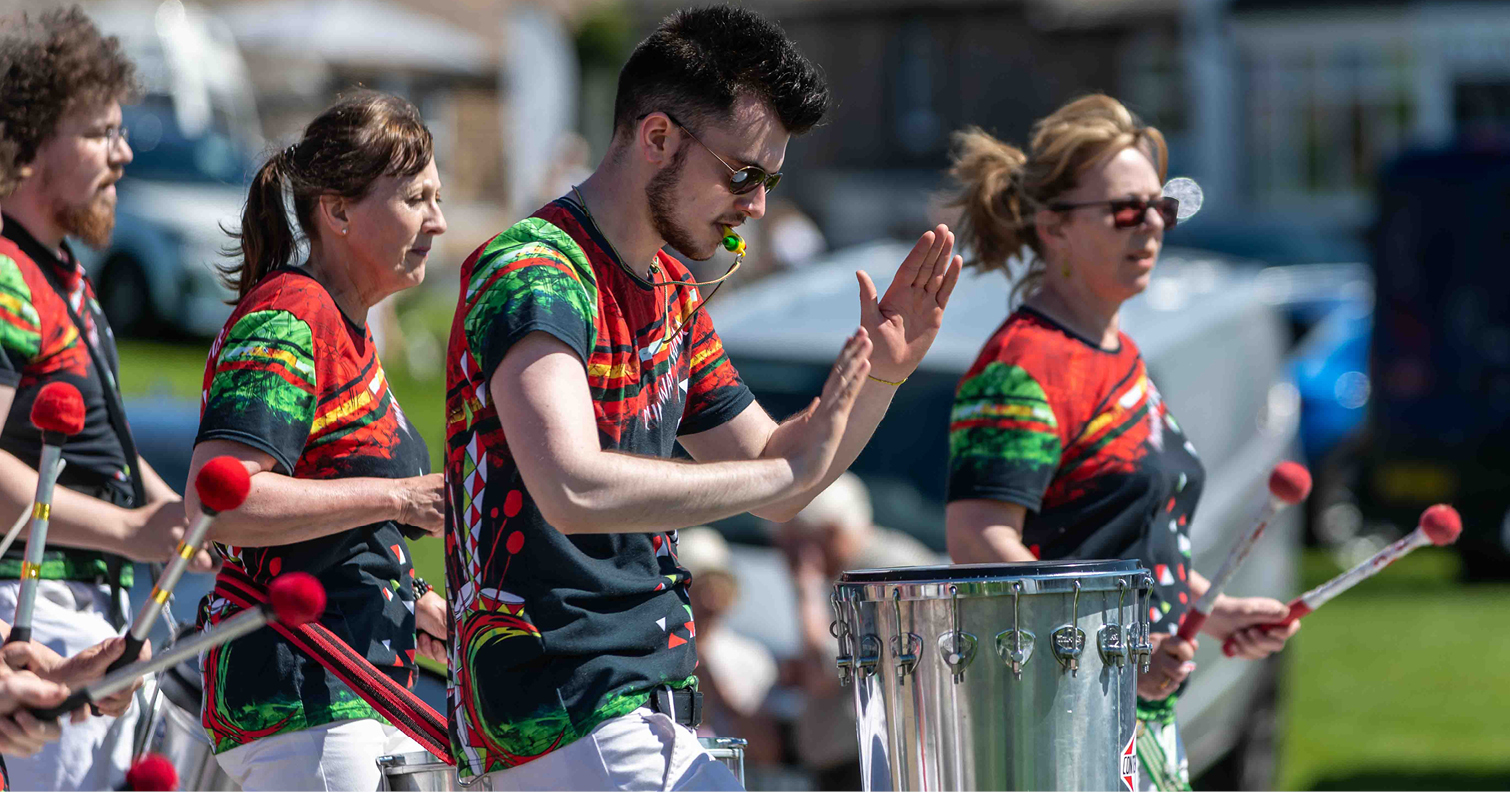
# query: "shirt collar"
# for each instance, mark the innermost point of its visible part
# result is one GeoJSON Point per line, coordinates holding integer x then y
{"type": "Point", "coordinates": [67, 268]}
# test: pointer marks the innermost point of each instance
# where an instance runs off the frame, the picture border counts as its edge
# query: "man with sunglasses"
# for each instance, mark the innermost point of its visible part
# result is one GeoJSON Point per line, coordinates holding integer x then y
{"type": "Point", "coordinates": [579, 357]}
{"type": "Point", "coordinates": [60, 98]}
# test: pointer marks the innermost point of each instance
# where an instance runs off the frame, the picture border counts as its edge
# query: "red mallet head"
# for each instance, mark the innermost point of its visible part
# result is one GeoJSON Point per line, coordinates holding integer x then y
{"type": "Point", "coordinates": [59, 408]}
{"type": "Point", "coordinates": [1441, 524]}
{"type": "Point", "coordinates": [152, 772]}
{"type": "Point", "coordinates": [1290, 482]}
{"type": "Point", "coordinates": [297, 598]}
{"type": "Point", "coordinates": [222, 484]}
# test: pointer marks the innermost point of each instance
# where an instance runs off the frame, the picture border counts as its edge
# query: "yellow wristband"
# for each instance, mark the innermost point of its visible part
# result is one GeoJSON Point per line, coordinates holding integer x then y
{"type": "Point", "coordinates": [887, 382]}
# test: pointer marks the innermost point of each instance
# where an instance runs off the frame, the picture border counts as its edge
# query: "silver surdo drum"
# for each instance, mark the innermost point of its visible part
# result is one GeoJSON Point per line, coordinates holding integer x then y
{"type": "Point", "coordinates": [995, 676]}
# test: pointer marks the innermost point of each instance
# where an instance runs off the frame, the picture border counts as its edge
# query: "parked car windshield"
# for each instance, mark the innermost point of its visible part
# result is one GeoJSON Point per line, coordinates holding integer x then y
{"type": "Point", "coordinates": [164, 152]}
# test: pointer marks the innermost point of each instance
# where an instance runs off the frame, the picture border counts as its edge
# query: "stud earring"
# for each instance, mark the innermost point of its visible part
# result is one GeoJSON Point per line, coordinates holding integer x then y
{"type": "Point", "coordinates": [1065, 270]}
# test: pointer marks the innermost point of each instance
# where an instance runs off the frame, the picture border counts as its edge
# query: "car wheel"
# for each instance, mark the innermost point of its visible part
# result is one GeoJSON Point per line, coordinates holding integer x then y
{"type": "Point", "coordinates": [126, 297]}
{"type": "Point", "coordinates": [1253, 762]}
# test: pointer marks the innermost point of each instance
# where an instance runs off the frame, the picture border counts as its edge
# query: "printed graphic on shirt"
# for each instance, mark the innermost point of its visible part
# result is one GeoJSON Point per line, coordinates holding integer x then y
{"type": "Point", "coordinates": [1082, 438]}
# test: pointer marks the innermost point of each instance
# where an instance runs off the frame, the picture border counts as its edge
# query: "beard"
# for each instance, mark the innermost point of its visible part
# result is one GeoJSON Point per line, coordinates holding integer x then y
{"type": "Point", "coordinates": [660, 195]}
{"type": "Point", "coordinates": [91, 222]}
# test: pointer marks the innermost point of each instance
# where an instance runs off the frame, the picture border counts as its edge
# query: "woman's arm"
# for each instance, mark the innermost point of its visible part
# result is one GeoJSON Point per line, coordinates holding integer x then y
{"type": "Point", "coordinates": [986, 532]}
{"type": "Point", "coordinates": [282, 510]}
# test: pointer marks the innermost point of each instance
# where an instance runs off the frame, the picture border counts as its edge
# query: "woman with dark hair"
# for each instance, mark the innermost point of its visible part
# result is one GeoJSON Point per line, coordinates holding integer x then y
{"type": "Point", "coordinates": [294, 389]}
{"type": "Point", "coordinates": [1060, 445]}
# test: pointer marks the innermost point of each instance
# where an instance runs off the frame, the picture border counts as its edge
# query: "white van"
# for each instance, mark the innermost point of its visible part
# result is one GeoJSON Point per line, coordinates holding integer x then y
{"type": "Point", "coordinates": [1217, 349]}
{"type": "Point", "coordinates": [195, 133]}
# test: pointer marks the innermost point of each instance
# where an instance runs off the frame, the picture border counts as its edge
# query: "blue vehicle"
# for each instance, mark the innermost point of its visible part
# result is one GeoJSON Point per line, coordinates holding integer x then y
{"type": "Point", "coordinates": [1440, 417]}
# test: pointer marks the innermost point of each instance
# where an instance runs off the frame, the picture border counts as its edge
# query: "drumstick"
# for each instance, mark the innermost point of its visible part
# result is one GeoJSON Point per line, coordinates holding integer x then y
{"type": "Point", "coordinates": [15, 529]}
{"type": "Point", "coordinates": [1289, 484]}
{"type": "Point", "coordinates": [57, 413]}
{"type": "Point", "coordinates": [1440, 525]}
{"type": "Point", "coordinates": [222, 484]}
{"type": "Point", "coordinates": [293, 599]}
{"type": "Point", "coordinates": [153, 772]}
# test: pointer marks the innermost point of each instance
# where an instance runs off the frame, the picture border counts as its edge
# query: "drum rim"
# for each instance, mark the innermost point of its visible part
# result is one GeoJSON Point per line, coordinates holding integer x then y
{"type": "Point", "coordinates": [990, 573]}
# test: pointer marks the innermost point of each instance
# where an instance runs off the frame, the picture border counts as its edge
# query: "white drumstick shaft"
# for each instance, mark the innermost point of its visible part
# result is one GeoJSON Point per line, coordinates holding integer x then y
{"type": "Point", "coordinates": [169, 578]}
{"type": "Point", "coordinates": [1319, 595]}
{"type": "Point", "coordinates": [1237, 556]}
{"type": "Point", "coordinates": [15, 530]}
{"type": "Point", "coordinates": [36, 541]}
{"type": "Point", "coordinates": [222, 633]}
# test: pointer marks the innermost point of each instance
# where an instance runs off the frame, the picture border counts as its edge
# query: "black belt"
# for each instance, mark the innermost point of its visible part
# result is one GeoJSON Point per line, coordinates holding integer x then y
{"type": "Point", "coordinates": [683, 705]}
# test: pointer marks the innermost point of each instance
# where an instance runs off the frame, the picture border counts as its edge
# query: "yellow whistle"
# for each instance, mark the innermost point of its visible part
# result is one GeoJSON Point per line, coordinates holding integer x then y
{"type": "Point", "coordinates": [733, 242]}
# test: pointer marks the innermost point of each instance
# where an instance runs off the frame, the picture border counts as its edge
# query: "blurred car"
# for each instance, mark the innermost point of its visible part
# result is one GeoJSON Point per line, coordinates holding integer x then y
{"type": "Point", "coordinates": [1217, 348]}
{"type": "Point", "coordinates": [192, 133]}
{"type": "Point", "coordinates": [1440, 418]}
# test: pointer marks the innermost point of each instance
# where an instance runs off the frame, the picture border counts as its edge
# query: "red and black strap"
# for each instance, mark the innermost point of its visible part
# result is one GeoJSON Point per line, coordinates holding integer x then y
{"type": "Point", "coordinates": [395, 702]}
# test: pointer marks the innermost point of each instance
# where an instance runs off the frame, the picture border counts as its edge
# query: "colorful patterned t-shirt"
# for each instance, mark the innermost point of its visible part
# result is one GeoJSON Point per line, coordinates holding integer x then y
{"type": "Point", "coordinates": [1080, 436]}
{"type": "Point", "coordinates": [39, 344]}
{"type": "Point", "coordinates": [552, 633]}
{"type": "Point", "coordinates": [290, 375]}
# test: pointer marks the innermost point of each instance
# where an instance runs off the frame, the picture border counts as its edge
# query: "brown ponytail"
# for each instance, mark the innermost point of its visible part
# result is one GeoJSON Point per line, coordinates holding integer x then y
{"type": "Point", "coordinates": [1001, 189]}
{"type": "Point", "coordinates": [359, 139]}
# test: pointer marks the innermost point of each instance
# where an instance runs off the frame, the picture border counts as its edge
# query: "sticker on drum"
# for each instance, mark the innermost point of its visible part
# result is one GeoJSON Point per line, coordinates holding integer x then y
{"type": "Point", "coordinates": [1129, 766]}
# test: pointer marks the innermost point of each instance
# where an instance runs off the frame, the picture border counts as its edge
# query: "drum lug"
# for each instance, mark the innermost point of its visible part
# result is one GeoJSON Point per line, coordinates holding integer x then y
{"type": "Point", "coordinates": [907, 655]}
{"type": "Point", "coordinates": [846, 665]}
{"type": "Point", "coordinates": [1109, 642]}
{"type": "Point", "coordinates": [1142, 647]}
{"type": "Point", "coordinates": [957, 649]}
{"type": "Point", "coordinates": [1015, 648]}
{"type": "Point", "coordinates": [870, 656]}
{"type": "Point", "coordinates": [1068, 641]}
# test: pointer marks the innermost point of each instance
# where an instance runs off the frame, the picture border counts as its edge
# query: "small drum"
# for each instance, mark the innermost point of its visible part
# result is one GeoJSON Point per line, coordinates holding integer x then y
{"type": "Point", "coordinates": [995, 676]}
{"type": "Point", "coordinates": [176, 731]}
{"type": "Point", "coordinates": [418, 770]}
{"type": "Point", "coordinates": [728, 750]}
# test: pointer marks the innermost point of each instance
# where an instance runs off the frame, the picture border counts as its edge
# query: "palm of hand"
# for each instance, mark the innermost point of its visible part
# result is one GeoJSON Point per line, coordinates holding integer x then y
{"type": "Point", "coordinates": [903, 323]}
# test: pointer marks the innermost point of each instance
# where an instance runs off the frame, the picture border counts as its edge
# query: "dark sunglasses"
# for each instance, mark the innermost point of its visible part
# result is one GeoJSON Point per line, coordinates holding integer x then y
{"type": "Point", "coordinates": [1130, 212]}
{"type": "Point", "coordinates": [741, 180]}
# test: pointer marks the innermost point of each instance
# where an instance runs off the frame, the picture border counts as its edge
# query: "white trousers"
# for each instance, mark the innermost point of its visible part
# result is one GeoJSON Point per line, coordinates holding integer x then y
{"type": "Point", "coordinates": [69, 617]}
{"type": "Point", "coordinates": [337, 756]}
{"type": "Point", "coordinates": [643, 750]}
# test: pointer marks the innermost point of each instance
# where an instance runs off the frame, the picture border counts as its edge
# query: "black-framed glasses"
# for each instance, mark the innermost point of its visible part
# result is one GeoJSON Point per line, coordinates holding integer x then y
{"type": "Point", "coordinates": [741, 180]}
{"type": "Point", "coordinates": [1130, 212]}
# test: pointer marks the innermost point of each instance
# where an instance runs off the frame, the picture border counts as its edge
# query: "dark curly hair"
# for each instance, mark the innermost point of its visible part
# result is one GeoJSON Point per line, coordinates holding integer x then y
{"type": "Point", "coordinates": [700, 60]}
{"type": "Point", "coordinates": [56, 63]}
{"type": "Point", "coordinates": [364, 136]}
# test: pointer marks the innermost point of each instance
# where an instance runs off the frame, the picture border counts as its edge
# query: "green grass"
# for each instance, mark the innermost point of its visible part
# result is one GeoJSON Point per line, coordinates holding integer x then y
{"type": "Point", "coordinates": [1402, 683]}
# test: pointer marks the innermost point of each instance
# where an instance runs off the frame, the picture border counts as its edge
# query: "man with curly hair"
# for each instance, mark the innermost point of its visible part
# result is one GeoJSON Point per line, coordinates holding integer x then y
{"type": "Point", "coordinates": [60, 97]}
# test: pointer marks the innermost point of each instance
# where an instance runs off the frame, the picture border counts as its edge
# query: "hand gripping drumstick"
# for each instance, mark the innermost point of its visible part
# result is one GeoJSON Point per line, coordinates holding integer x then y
{"type": "Point", "coordinates": [222, 485]}
{"type": "Point", "coordinates": [1289, 484]}
{"type": "Point", "coordinates": [57, 413]}
{"type": "Point", "coordinates": [153, 772]}
{"type": "Point", "coordinates": [294, 598]}
{"type": "Point", "coordinates": [1440, 525]}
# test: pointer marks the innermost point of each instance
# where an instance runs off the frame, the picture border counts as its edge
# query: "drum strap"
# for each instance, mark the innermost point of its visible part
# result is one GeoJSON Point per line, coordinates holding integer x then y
{"type": "Point", "coordinates": [393, 701]}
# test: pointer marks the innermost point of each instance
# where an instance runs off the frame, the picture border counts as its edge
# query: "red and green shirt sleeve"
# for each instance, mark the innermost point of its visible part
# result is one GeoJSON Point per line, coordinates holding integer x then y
{"type": "Point", "coordinates": [261, 391]}
{"type": "Point", "coordinates": [20, 324]}
{"type": "Point", "coordinates": [518, 289]}
{"type": "Point", "coordinates": [1004, 441]}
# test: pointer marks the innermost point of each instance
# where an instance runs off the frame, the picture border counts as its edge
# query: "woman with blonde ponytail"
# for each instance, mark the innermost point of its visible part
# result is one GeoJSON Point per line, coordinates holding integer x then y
{"type": "Point", "coordinates": [294, 389]}
{"type": "Point", "coordinates": [1060, 445]}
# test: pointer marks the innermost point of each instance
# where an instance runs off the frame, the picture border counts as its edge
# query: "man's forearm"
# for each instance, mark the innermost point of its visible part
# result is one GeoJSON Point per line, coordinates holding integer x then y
{"type": "Point", "coordinates": [623, 493]}
{"type": "Point", "coordinates": [156, 488]}
{"type": "Point", "coordinates": [281, 510]}
{"type": "Point", "coordinates": [76, 520]}
{"type": "Point", "coordinates": [870, 407]}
